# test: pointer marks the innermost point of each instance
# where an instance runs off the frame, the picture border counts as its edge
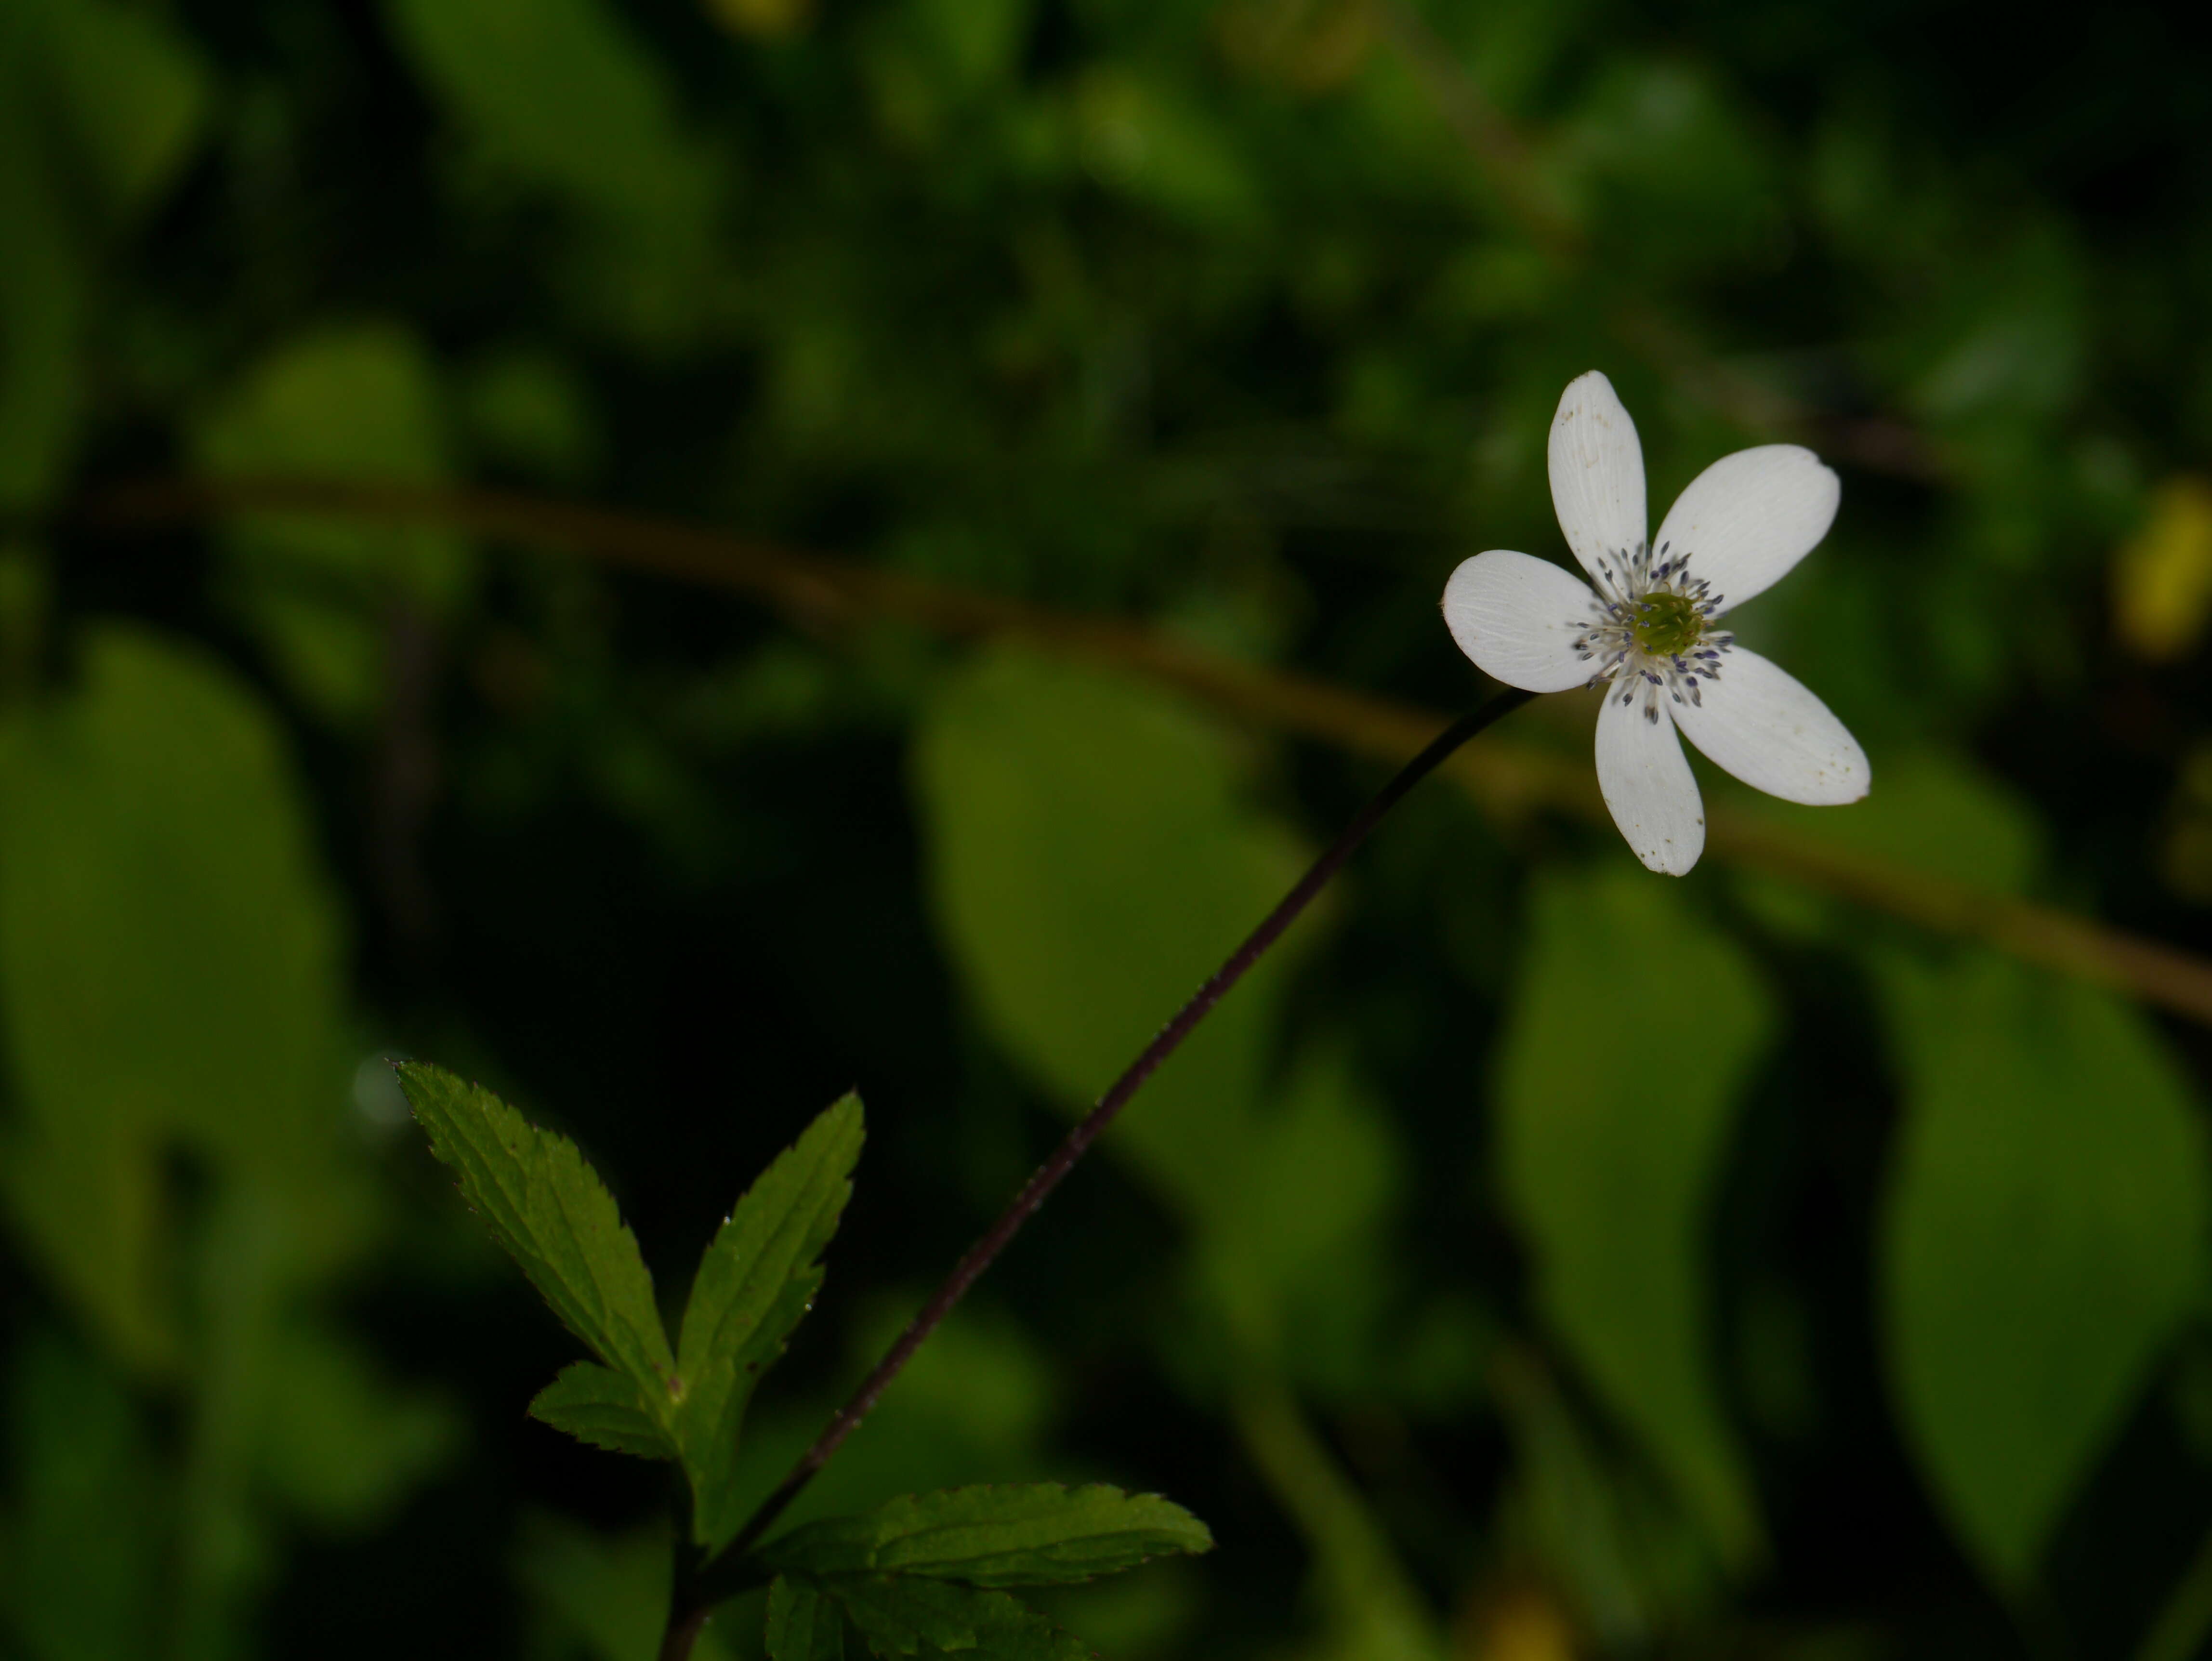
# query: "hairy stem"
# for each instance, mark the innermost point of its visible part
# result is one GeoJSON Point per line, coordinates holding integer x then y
{"type": "Point", "coordinates": [697, 1592]}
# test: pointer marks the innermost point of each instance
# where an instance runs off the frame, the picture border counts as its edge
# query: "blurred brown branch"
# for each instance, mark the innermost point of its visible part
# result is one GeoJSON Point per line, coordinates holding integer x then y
{"type": "Point", "coordinates": [1508, 779]}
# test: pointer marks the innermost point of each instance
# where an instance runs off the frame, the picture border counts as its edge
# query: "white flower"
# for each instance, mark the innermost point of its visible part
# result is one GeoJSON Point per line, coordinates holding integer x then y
{"type": "Point", "coordinates": [1647, 634]}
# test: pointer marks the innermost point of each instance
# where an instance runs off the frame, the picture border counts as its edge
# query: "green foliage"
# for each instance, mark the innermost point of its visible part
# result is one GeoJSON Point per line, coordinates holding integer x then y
{"type": "Point", "coordinates": [170, 960]}
{"type": "Point", "coordinates": [1241, 322]}
{"type": "Point", "coordinates": [357, 403]}
{"type": "Point", "coordinates": [803, 1624]}
{"type": "Point", "coordinates": [980, 1401]}
{"type": "Point", "coordinates": [1038, 1534]}
{"type": "Point", "coordinates": [1612, 1166]}
{"type": "Point", "coordinates": [562, 92]}
{"type": "Point", "coordinates": [1087, 848]}
{"type": "Point", "coordinates": [2044, 1239]}
{"type": "Point", "coordinates": [126, 87]}
{"type": "Point", "coordinates": [1151, 142]}
{"type": "Point", "coordinates": [902, 1615]}
{"type": "Point", "coordinates": [607, 1408]}
{"type": "Point", "coordinates": [83, 1570]}
{"type": "Point", "coordinates": [101, 104]}
{"type": "Point", "coordinates": [1941, 814]}
{"type": "Point", "coordinates": [597, 1596]}
{"type": "Point", "coordinates": [1295, 1243]}
{"type": "Point", "coordinates": [563, 95]}
{"type": "Point", "coordinates": [888, 1571]}
{"type": "Point", "coordinates": [547, 1207]}
{"type": "Point", "coordinates": [1629, 1567]}
{"type": "Point", "coordinates": [341, 1443]}
{"type": "Point", "coordinates": [757, 1280]}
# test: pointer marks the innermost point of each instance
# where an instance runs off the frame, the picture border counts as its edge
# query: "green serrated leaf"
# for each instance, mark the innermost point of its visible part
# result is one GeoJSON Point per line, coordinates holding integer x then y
{"type": "Point", "coordinates": [1007, 1629]}
{"type": "Point", "coordinates": [803, 1625]}
{"type": "Point", "coordinates": [1019, 1535]}
{"type": "Point", "coordinates": [547, 1206]}
{"type": "Point", "coordinates": [603, 1408]}
{"type": "Point", "coordinates": [756, 1281]}
{"type": "Point", "coordinates": [902, 1615]}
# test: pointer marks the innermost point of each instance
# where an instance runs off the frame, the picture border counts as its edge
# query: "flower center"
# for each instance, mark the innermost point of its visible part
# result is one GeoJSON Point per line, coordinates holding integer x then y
{"type": "Point", "coordinates": [1665, 624]}
{"type": "Point", "coordinates": [1650, 630]}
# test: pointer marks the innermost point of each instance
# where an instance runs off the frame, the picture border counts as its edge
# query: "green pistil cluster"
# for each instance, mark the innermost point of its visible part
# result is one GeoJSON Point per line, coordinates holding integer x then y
{"type": "Point", "coordinates": [1665, 625]}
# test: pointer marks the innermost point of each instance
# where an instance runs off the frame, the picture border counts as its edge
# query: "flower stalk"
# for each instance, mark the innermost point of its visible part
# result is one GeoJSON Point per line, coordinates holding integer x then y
{"type": "Point", "coordinates": [701, 1586]}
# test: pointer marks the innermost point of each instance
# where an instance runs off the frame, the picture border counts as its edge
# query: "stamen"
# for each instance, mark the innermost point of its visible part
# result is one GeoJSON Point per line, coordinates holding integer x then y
{"type": "Point", "coordinates": [1651, 630]}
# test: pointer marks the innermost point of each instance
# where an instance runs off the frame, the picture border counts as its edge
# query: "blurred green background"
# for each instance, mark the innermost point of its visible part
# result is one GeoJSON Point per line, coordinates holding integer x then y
{"type": "Point", "coordinates": [1540, 1259]}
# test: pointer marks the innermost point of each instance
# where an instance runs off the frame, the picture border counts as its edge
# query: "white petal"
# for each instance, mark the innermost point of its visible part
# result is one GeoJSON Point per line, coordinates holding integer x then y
{"type": "Point", "coordinates": [1518, 618]}
{"type": "Point", "coordinates": [1597, 472]}
{"type": "Point", "coordinates": [1646, 781]}
{"type": "Point", "coordinates": [1765, 727]}
{"type": "Point", "coordinates": [1749, 517]}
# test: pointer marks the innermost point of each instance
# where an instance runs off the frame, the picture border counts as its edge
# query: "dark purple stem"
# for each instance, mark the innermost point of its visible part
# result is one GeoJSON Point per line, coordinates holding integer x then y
{"type": "Point", "coordinates": [727, 1574]}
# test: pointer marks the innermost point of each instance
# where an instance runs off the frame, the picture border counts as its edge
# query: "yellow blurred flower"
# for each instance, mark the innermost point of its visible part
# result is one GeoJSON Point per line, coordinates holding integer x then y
{"type": "Point", "coordinates": [2162, 576]}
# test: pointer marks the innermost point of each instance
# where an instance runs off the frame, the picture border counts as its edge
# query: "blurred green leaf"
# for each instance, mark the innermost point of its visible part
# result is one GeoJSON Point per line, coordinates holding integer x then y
{"type": "Point", "coordinates": [1142, 136]}
{"type": "Point", "coordinates": [1371, 1605]}
{"type": "Point", "coordinates": [359, 403]}
{"type": "Point", "coordinates": [1934, 812]}
{"type": "Point", "coordinates": [1091, 865]}
{"type": "Point", "coordinates": [1938, 813]}
{"type": "Point", "coordinates": [87, 1201]}
{"type": "Point", "coordinates": [908, 1614]}
{"type": "Point", "coordinates": [974, 42]}
{"type": "Point", "coordinates": [2006, 343]}
{"type": "Point", "coordinates": [1671, 169]}
{"type": "Point", "coordinates": [562, 93]}
{"type": "Point", "coordinates": [977, 1403]}
{"type": "Point", "coordinates": [603, 1408]}
{"type": "Point", "coordinates": [1614, 1546]}
{"type": "Point", "coordinates": [547, 1206]}
{"type": "Point", "coordinates": [123, 85]}
{"type": "Point", "coordinates": [340, 1444]}
{"type": "Point", "coordinates": [101, 104]}
{"type": "Point", "coordinates": [803, 1625]}
{"type": "Point", "coordinates": [605, 1597]}
{"type": "Point", "coordinates": [528, 410]}
{"type": "Point", "coordinates": [1633, 1030]}
{"type": "Point", "coordinates": [2043, 1240]}
{"type": "Point", "coordinates": [1291, 1242]}
{"type": "Point", "coordinates": [170, 965]}
{"type": "Point", "coordinates": [1030, 1534]}
{"type": "Point", "coordinates": [757, 1280]}
{"type": "Point", "coordinates": [81, 1580]}
{"type": "Point", "coordinates": [43, 308]}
